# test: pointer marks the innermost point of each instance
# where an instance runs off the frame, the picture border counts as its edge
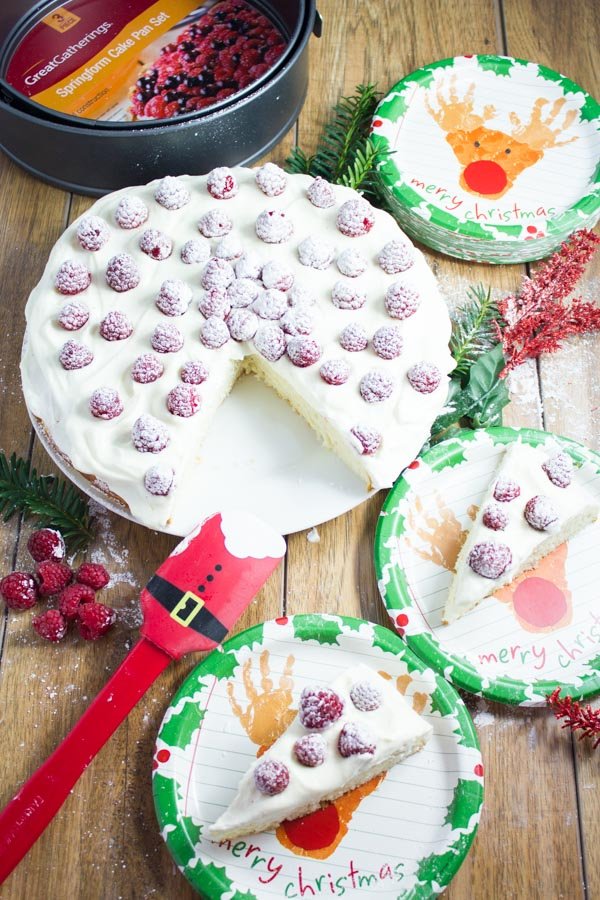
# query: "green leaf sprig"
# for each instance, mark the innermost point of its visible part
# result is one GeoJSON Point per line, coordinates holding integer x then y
{"type": "Point", "coordinates": [50, 499]}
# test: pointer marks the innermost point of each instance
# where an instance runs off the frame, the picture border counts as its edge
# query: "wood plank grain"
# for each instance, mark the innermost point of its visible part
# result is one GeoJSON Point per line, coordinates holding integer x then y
{"type": "Point", "coordinates": [566, 36]}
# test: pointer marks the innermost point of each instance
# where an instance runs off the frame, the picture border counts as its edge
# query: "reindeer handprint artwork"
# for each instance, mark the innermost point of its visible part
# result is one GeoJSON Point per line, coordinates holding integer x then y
{"type": "Point", "coordinates": [492, 159]}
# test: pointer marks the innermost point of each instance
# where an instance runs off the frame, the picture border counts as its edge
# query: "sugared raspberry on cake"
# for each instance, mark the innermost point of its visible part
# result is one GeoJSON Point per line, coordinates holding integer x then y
{"type": "Point", "coordinates": [401, 300]}
{"type": "Point", "coordinates": [315, 253]}
{"type": "Point", "coordinates": [366, 440]}
{"type": "Point", "coordinates": [72, 278]}
{"type": "Point", "coordinates": [375, 386]}
{"type": "Point", "coordinates": [156, 244]}
{"type": "Point", "coordinates": [310, 750]}
{"type": "Point", "coordinates": [354, 337]}
{"type": "Point", "coordinates": [270, 304]}
{"type": "Point", "coordinates": [490, 559]}
{"type": "Point", "coordinates": [303, 351]}
{"type": "Point", "coordinates": [249, 265]}
{"type": "Point", "coordinates": [115, 326]}
{"type": "Point", "coordinates": [74, 355]}
{"type": "Point", "coordinates": [243, 324]}
{"type": "Point", "coordinates": [229, 247]}
{"type": "Point", "coordinates": [146, 368]}
{"type": "Point", "coordinates": [195, 251]}
{"type": "Point", "coordinates": [149, 435]}
{"type": "Point", "coordinates": [214, 333]}
{"type": "Point", "coordinates": [159, 480]}
{"type": "Point", "coordinates": [355, 218]}
{"type": "Point", "coordinates": [506, 489]}
{"type": "Point", "coordinates": [92, 233]}
{"type": "Point", "coordinates": [356, 740]}
{"type": "Point", "coordinates": [122, 273]}
{"type": "Point", "coordinates": [174, 297]}
{"type": "Point", "coordinates": [105, 403]}
{"type": "Point", "coordinates": [559, 469]}
{"type": "Point", "coordinates": [194, 371]}
{"type": "Point", "coordinates": [172, 193]}
{"type": "Point", "coordinates": [269, 340]}
{"type": "Point", "coordinates": [274, 226]}
{"type": "Point", "coordinates": [494, 517]}
{"type": "Point", "coordinates": [242, 292]}
{"type": "Point", "coordinates": [166, 338]}
{"type": "Point", "coordinates": [541, 513]}
{"type": "Point", "coordinates": [73, 316]}
{"type": "Point", "coordinates": [183, 401]}
{"type": "Point", "coordinates": [424, 377]}
{"type": "Point", "coordinates": [271, 180]}
{"type": "Point", "coordinates": [217, 273]}
{"type": "Point", "coordinates": [351, 263]}
{"type": "Point", "coordinates": [277, 275]}
{"type": "Point", "coordinates": [215, 223]}
{"type": "Point", "coordinates": [388, 342]}
{"type": "Point", "coordinates": [214, 302]}
{"type": "Point", "coordinates": [297, 320]}
{"type": "Point", "coordinates": [131, 212]}
{"type": "Point", "coordinates": [222, 183]}
{"type": "Point", "coordinates": [321, 194]}
{"type": "Point", "coordinates": [347, 295]}
{"type": "Point", "coordinates": [335, 371]}
{"type": "Point", "coordinates": [396, 257]}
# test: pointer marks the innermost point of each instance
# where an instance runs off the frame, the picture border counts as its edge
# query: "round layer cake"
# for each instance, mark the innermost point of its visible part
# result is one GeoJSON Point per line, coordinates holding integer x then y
{"type": "Point", "coordinates": [155, 301]}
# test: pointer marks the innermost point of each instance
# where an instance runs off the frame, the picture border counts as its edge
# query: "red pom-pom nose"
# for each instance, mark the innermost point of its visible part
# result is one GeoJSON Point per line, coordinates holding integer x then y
{"type": "Point", "coordinates": [485, 177]}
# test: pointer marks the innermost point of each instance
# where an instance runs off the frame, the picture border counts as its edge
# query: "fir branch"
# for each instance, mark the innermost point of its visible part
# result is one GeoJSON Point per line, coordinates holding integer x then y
{"type": "Point", "coordinates": [474, 328]}
{"type": "Point", "coordinates": [298, 163]}
{"type": "Point", "coordinates": [50, 499]}
{"type": "Point", "coordinates": [576, 716]}
{"type": "Point", "coordinates": [359, 173]}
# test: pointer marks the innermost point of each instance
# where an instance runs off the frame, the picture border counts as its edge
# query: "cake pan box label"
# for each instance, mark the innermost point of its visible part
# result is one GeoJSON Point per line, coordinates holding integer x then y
{"type": "Point", "coordinates": [83, 59]}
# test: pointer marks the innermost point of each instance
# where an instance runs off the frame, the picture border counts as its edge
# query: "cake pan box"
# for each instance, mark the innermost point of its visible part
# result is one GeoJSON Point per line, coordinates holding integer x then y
{"type": "Point", "coordinates": [94, 158]}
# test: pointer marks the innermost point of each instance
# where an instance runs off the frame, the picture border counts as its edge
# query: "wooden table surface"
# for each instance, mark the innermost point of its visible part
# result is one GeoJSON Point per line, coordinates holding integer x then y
{"type": "Point", "coordinates": [539, 835]}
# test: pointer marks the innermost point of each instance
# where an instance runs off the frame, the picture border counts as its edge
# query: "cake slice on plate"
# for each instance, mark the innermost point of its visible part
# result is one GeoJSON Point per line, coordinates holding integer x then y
{"type": "Point", "coordinates": [343, 735]}
{"type": "Point", "coordinates": [532, 505]}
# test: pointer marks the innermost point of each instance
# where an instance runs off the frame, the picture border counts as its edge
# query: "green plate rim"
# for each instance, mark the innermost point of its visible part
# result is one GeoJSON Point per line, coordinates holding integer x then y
{"type": "Point", "coordinates": [310, 627]}
{"type": "Point", "coordinates": [396, 592]}
{"type": "Point", "coordinates": [391, 109]}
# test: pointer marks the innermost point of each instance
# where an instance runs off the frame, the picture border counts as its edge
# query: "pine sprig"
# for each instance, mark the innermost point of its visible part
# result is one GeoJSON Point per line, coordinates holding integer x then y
{"type": "Point", "coordinates": [474, 328]}
{"type": "Point", "coordinates": [49, 498]}
{"type": "Point", "coordinates": [345, 153]}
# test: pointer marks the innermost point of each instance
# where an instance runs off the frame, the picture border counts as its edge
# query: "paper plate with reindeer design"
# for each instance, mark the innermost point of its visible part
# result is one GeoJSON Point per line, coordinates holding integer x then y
{"type": "Point", "coordinates": [538, 633]}
{"type": "Point", "coordinates": [403, 834]}
{"type": "Point", "coordinates": [493, 158]}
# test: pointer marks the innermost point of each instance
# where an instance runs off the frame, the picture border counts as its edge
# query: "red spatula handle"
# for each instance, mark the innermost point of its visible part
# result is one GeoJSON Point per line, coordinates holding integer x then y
{"type": "Point", "coordinates": [34, 806]}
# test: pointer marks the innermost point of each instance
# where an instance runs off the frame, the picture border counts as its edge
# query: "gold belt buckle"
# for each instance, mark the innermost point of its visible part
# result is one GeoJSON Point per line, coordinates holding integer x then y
{"type": "Point", "coordinates": [198, 603]}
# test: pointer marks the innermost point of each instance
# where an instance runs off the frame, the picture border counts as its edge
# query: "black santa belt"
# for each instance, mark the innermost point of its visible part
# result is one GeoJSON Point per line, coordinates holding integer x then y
{"type": "Point", "coordinates": [186, 608]}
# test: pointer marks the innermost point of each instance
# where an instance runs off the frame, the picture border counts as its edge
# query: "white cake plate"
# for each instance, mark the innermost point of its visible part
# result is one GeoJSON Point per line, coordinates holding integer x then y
{"type": "Point", "coordinates": [259, 456]}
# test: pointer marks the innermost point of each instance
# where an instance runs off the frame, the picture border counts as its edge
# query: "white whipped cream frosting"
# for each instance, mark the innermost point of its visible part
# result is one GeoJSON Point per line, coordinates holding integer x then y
{"type": "Point", "coordinates": [104, 450]}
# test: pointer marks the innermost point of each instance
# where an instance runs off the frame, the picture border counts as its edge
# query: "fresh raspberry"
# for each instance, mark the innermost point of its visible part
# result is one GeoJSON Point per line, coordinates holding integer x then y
{"type": "Point", "coordinates": [273, 226]}
{"type": "Point", "coordinates": [354, 338]}
{"type": "Point", "coordinates": [171, 193]}
{"type": "Point", "coordinates": [320, 193]}
{"type": "Point", "coordinates": [494, 517]}
{"type": "Point", "coordinates": [277, 275]}
{"type": "Point", "coordinates": [355, 218]}
{"type": "Point", "coordinates": [335, 371]}
{"type": "Point", "coordinates": [115, 326]}
{"type": "Point", "coordinates": [271, 776]}
{"type": "Point", "coordinates": [46, 543]}
{"type": "Point", "coordinates": [401, 300]}
{"type": "Point", "coordinates": [214, 333]}
{"type": "Point", "coordinates": [271, 179]}
{"type": "Point", "coordinates": [559, 469]}
{"type": "Point", "coordinates": [122, 273]}
{"type": "Point", "coordinates": [71, 598]}
{"type": "Point", "coordinates": [297, 320]}
{"type": "Point", "coordinates": [159, 480]}
{"type": "Point", "coordinates": [424, 377]}
{"type": "Point", "coordinates": [52, 577]}
{"type": "Point", "coordinates": [105, 403]}
{"type": "Point", "coordinates": [166, 338]}
{"type": "Point", "coordinates": [242, 324]}
{"type": "Point", "coordinates": [345, 295]}
{"type": "Point", "coordinates": [93, 575]}
{"type": "Point", "coordinates": [149, 435]}
{"type": "Point", "coordinates": [217, 273]}
{"type": "Point", "coordinates": [303, 351]}
{"type": "Point", "coordinates": [310, 750]}
{"type": "Point", "coordinates": [193, 372]}
{"type": "Point", "coordinates": [506, 490]}
{"type": "Point", "coordinates": [242, 292]}
{"type": "Point", "coordinates": [229, 247]}
{"type": "Point", "coordinates": [315, 253]}
{"type": "Point", "coordinates": [74, 355]}
{"type": "Point", "coordinates": [72, 278]}
{"type": "Point", "coordinates": [221, 183]}
{"type": "Point", "coordinates": [195, 251]}
{"type": "Point", "coordinates": [301, 296]}
{"type": "Point", "coordinates": [215, 223]}
{"type": "Point", "coordinates": [156, 244]}
{"type": "Point", "coordinates": [269, 340]}
{"type": "Point", "coordinates": [131, 212]}
{"type": "Point", "coordinates": [174, 297]}
{"type": "Point", "coordinates": [388, 342]}
{"type": "Point", "coordinates": [249, 265]}
{"type": "Point", "coordinates": [51, 625]}
{"type": "Point", "coordinates": [366, 696]}
{"type": "Point", "coordinates": [214, 302]}
{"type": "Point", "coordinates": [356, 740]}
{"type": "Point", "coordinates": [183, 401]}
{"type": "Point", "coordinates": [19, 590]}
{"type": "Point", "coordinates": [351, 263]}
{"type": "Point", "coordinates": [490, 559]}
{"type": "Point", "coordinates": [319, 707]}
{"type": "Point", "coordinates": [146, 368]}
{"type": "Point", "coordinates": [366, 440]}
{"type": "Point", "coordinates": [375, 387]}
{"type": "Point", "coordinates": [270, 304]}
{"type": "Point", "coordinates": [540, 513]}
{"type": "Point", "coordinates": [396, 257]}
{"type": "Point", "coordinates": [95, 619]}
{"type": "Point", "coordinates": [92, 232]}
{"type": "Point", "coordinates": [73, 316]}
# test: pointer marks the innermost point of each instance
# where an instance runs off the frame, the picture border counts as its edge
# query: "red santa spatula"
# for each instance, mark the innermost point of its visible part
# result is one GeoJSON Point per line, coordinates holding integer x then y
{"type": "Point", "coordinates": [189, 604]}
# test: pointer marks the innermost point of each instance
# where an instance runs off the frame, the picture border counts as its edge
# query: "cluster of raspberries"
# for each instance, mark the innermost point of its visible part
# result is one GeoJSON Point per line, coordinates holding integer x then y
{"type": "Point", "coordinates": [224, 51]}
{"type": "Point", "coordinates": [73, 591]}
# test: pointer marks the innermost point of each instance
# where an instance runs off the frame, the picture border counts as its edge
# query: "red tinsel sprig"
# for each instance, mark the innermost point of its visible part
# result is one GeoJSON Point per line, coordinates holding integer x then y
{"type": "Point", "coordinates": [540, 316]}
{"type": "Point", "coordinates": [577, 717]}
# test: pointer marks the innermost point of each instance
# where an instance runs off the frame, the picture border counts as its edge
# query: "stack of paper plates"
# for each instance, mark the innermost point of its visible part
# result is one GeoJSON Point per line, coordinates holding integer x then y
{"type": "Point", "coordinates": [492, 158]}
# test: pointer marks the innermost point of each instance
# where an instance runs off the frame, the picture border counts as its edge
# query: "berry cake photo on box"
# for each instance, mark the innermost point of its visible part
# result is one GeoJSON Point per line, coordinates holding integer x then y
{"type": "Point", "coordinates": [160, 297]}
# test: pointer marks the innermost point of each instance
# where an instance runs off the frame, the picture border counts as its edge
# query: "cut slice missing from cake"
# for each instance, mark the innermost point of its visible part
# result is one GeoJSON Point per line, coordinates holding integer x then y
{"type": "Point", "coordinates": [532, 505]}
{"type": "Point", "coordinates": [343, 735]}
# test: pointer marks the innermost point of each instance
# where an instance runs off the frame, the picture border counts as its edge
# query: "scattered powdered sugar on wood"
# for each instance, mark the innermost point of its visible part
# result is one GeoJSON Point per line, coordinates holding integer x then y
{"type": "Point", "coordinates": [313, 536]}
{"type": "Point", "coordinates": [110, 552]}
